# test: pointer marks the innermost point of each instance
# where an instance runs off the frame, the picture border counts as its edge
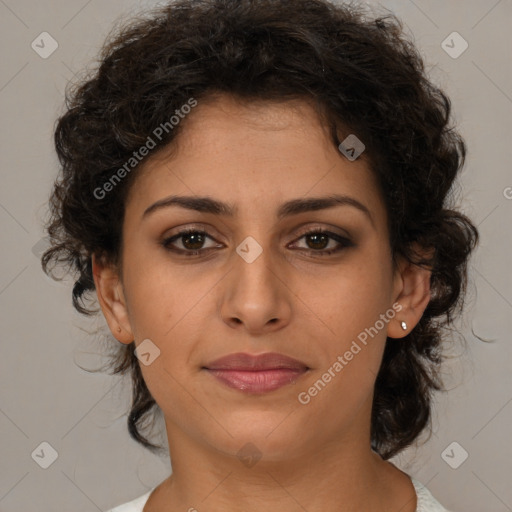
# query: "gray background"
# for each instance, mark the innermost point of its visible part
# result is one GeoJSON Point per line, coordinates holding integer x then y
{"type": "Point", "coordinates": [46, 397]}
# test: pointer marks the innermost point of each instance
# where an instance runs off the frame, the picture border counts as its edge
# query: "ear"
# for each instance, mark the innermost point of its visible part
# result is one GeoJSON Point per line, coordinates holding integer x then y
{"type": "Point", "coordinates": [111, 298]}
{"type": "Point", "coordinates": [412, 292]}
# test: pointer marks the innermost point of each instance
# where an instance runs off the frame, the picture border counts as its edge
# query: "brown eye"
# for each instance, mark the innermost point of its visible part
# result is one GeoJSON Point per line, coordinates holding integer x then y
{"type": "Point", "coordinates": [192, 242]}
{"type": "Point", "coordinates": [317, 241]}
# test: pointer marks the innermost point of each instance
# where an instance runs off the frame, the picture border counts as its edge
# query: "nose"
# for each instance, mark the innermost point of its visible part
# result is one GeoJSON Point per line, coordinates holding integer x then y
{"type": "Point", "coordinates": [256, 297]}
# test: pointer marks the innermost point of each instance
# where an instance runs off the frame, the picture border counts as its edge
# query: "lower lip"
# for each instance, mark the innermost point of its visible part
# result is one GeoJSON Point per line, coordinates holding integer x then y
{"type": "Point", "coordinates": [260, 381]}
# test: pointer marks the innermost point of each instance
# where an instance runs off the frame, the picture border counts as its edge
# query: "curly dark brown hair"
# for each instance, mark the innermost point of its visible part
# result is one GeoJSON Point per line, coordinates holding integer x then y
{"type": "Point", "coordinates": [364, 75]}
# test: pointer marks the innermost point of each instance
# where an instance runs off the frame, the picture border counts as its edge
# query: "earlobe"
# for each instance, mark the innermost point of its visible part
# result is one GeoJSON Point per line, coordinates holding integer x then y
{"type": "Point", "coordinates": [412, 292]}
{"type": "Point", "coordinates": [111, 299]}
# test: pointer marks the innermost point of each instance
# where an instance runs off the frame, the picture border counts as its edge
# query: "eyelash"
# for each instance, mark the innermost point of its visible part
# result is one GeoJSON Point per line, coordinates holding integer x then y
{"type": "Point", "coordinates": [345, 242]}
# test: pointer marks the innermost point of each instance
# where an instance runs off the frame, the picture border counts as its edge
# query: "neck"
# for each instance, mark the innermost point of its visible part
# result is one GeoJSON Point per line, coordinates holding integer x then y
{"type": "Point", "coordinates": [345, 476]}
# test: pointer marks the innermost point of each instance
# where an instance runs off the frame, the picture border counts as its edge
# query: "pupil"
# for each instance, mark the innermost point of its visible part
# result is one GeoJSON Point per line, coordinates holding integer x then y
{"type": "Point", "coordinates": [191, 236]}
{"type": "Point", "coordinates": [315, 237]}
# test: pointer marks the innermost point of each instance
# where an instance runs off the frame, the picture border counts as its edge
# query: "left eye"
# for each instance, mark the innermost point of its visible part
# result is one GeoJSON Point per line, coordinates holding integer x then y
{"type": "Point", "coordinates": [321, 238]}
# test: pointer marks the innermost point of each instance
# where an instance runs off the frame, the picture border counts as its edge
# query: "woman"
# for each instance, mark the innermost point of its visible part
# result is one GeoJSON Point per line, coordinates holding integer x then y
{"type": "Point", "coordinates": [257, 193]}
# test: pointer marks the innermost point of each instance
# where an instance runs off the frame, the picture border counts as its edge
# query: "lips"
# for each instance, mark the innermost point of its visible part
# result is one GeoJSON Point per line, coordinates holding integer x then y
{"type": "Point", "coordinates": [258, 373]}
{"type": "Point", "coordinates": [248, 362]}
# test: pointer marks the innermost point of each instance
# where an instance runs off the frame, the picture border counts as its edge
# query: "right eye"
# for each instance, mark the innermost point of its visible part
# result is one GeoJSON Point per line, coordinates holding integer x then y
{"type": "Point", "coordinates": [192, 241]}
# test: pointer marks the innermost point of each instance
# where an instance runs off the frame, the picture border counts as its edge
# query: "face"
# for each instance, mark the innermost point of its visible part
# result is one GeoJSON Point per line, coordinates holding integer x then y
{"type": "Point", "coordinates": [250, 279]}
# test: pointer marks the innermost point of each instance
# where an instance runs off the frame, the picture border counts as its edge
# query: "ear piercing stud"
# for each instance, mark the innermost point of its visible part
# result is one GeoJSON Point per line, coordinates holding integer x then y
{"type": "Point", "coordinates": [404, 326]}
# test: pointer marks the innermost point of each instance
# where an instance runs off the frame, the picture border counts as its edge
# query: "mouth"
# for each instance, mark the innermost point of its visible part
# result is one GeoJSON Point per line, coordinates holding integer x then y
{"type": "Point", "coordinates": [256, 373]}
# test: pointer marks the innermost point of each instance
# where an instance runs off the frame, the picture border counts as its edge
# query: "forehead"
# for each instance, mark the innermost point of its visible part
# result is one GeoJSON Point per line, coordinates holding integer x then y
{"type": "Point", "coordinates": [254, 153]}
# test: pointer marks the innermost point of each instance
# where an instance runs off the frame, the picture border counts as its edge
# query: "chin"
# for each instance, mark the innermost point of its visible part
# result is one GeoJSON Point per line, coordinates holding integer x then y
{"type": "Point", "coordinates": [261, 441]}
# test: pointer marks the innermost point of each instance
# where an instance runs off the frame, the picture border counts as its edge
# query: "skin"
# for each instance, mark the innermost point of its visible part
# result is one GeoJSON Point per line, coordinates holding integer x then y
{"type": "Point", "coordinates": [314, 457]}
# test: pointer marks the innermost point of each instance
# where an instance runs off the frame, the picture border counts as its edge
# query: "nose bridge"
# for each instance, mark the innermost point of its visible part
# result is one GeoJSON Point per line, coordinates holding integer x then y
{"type": "Point", "coordinates": [253, 267]}
{"type": "Point", "coordinates": [255, 294]}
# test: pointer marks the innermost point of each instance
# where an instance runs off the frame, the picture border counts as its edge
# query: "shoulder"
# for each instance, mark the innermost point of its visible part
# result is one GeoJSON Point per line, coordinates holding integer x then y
{"type": "Point", "coordinates": [137, 505]}
{"type": "Point", "coordinates": [426, 502]}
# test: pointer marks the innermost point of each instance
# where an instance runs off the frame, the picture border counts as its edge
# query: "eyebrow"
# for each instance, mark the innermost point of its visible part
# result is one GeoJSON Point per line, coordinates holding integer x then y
{"type": "Point", "coordinates": [205, 204]}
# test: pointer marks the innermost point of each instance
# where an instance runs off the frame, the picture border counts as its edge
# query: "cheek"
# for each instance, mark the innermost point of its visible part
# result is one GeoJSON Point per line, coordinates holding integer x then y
{"type": "Point", "coordinates": [353, 298]}
{"type": "Point", "coordinates": [156, 298]}
{"type": "Point", "coordinates": [344, 381]}
{"type": "Point", "coordinates": [355, 307]}
{"type": "Point", "coordinates": [167, 313]}
{"type": "Point", "coordinates": [164, 307]}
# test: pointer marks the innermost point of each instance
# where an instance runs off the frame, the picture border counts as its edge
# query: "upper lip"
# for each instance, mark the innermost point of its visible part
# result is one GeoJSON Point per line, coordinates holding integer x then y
{"type": "Point", "coordinates": [247, 362]}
